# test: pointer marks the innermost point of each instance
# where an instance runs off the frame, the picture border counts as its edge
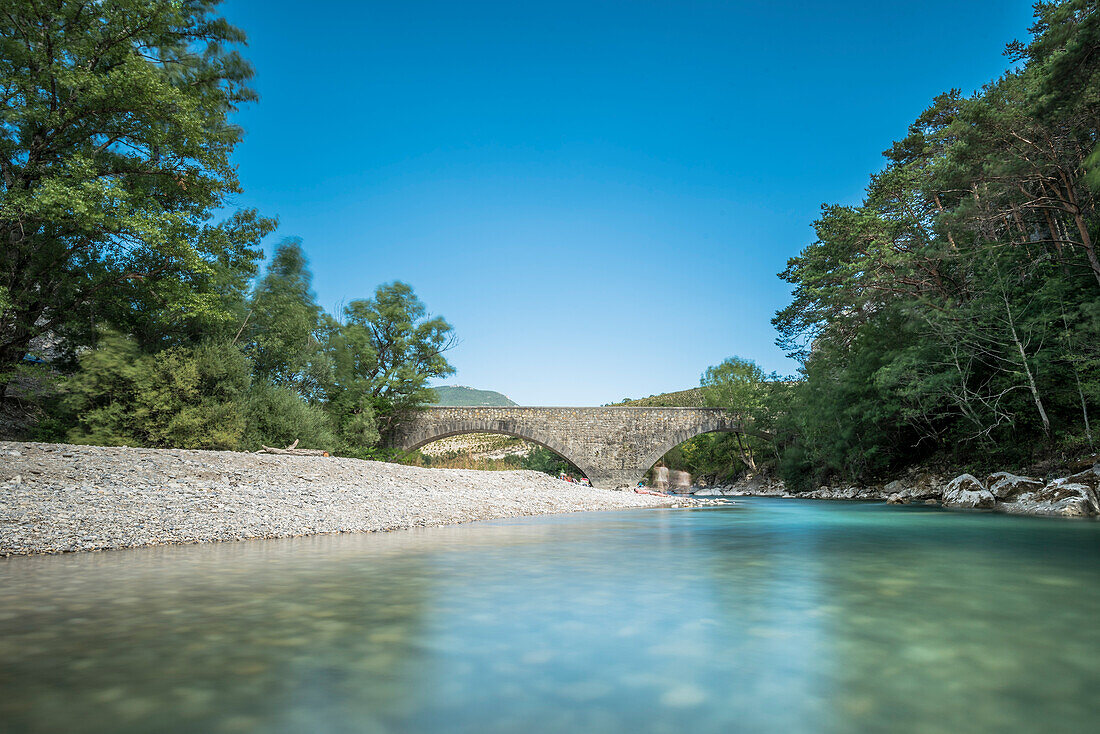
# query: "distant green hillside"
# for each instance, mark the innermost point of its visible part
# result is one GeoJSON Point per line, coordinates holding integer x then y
{"type": "Point", "coordinates": [691, 398]}
{"type": "Point", "coordinates": [458, 395]}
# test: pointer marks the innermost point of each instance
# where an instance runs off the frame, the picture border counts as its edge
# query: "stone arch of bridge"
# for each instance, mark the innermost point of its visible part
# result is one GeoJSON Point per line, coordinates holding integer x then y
{"type": "Point", "coordinates": [534, 437]}
{"type": "Point", "coordinates": [675, 440]}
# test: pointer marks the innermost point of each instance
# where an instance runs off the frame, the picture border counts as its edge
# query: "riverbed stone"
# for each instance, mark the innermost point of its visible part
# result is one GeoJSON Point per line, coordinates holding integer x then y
{"type": "Point", "coordinates": [1059, 497]}
{"type": "Point", "coordinates": [1005, 486]}
{"type": "Point", "coordinates": [1090, 476]}
{"type": "Point", "coordinates": [966, 491]}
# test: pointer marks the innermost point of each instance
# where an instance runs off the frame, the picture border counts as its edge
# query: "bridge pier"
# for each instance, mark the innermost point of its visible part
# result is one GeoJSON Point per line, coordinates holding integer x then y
{"type": "Point", "coordinates": [615, 478]}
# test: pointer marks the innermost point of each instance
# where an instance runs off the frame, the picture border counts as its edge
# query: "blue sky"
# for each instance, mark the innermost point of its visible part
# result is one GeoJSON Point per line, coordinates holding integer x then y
{"type": "Point", "coordinates": [597, 195]}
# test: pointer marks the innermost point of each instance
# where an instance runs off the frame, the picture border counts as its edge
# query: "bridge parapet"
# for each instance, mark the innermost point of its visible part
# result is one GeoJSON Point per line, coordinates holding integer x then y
{"type": "Point", "coordinates": [614, 445]}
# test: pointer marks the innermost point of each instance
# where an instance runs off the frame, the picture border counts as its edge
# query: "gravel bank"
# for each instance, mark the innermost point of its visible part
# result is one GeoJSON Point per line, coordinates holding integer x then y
{"type": "Point", "coordinates": [57, 498]}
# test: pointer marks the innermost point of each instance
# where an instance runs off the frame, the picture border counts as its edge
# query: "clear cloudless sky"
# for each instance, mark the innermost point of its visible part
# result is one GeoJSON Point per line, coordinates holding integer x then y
{"type": "Point", "coordinates": [597, 195]}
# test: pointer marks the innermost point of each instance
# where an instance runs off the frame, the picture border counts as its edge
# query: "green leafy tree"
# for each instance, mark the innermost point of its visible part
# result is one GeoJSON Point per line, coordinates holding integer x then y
{"type": "Point", "coordinates": [546, 461]}
{"type": "Point", "coordinates": [284, 325]}
{"type": "Point", "coordinates": [114, 152]}
{"type": "Point", "coordinates": [956, 307]}
{"type": "Point", "coordinates": [738, 385]}
{"type": "Point", "coordinates": [385, 354]}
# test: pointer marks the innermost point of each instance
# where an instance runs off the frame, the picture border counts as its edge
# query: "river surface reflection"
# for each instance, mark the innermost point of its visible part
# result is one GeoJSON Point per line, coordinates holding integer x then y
{"type": "Point", "coordinates": [770, 616]}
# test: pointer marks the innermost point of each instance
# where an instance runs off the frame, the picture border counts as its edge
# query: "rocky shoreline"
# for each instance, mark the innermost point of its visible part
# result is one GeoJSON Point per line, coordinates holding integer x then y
{"type": "Point", "coordinates": [1074, 495]}
{"type": "Point", "coordinates": [57, 498]}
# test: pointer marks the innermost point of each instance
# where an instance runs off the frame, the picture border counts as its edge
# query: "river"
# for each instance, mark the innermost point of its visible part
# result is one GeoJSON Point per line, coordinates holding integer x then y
{"type": "Point", "coordinates": [770, 616]}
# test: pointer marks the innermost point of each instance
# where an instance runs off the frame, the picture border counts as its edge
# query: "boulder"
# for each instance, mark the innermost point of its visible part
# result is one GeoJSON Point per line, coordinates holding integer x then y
{"type": "Point", "coordinates": [917, 488]}
{"type": "Point", "coordinates": [834, 493]}
{"type": "Point", "coordinates": [927, 486]}
{"type": "Point", "coordinates": [897, 498]}
{"type": "Point", "coordinates": [1059, 498]}
{"type": "Point", "coordinates": [966, 491]}
{"type": "Point", "coordinates": [1005, 487]}
{"type": "Point", "coordinates": [1090, 476]}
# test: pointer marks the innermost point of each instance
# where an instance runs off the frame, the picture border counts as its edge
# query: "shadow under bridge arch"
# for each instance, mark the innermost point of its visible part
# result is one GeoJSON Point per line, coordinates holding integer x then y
{"type": "Point", "coordinates": [500, 428]}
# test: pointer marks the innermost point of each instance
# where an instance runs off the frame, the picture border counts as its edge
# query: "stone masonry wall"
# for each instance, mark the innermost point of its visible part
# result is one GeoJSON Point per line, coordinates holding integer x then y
{"type": "Point", "coordinates": [614, 446]}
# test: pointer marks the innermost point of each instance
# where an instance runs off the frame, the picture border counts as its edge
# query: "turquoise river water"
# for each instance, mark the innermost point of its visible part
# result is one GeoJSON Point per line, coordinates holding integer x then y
{"type": "Point", "coordinates": [769, 616]}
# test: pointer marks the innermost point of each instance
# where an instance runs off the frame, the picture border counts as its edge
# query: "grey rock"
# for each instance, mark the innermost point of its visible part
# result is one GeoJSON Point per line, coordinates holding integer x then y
{"type": "Point", "coordinates": [1058, 498]}
{"type": "Point", "coordinates": [965, 491]}
{"type": "Point", "coordinates": [1005, 486]}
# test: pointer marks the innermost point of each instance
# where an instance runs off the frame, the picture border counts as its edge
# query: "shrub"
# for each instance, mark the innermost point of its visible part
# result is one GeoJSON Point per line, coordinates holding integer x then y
{"type": "Point", "coordinates": [182, 397]}
{"type": "Point", "coordinates": [277, 416]}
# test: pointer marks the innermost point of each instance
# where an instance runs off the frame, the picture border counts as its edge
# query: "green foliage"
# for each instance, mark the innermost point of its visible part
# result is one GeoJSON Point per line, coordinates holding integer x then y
{"type": "Point", "coordinates": [284, 323]}
{"type": "Point", "coordinates": [182, 397]}
{"type": "Point", "coordinates": [957, 309]}
{"type": "Point", "coordinates": [691, 398]}
{"type": "Point", "coordinates": [115, 144]}
{"type": "Point", "coordinates": [278, 416]}
{"type": "Point", "coordinates": [357, 425]}
{"type": "Point", "coordinates": [115, 147]}
{"type": "Point", "coordinates": [741, 386]}
{"type": "Point", "coordinates": [385, 353]}
{"type": "Point", "coordinates": [546, 461]}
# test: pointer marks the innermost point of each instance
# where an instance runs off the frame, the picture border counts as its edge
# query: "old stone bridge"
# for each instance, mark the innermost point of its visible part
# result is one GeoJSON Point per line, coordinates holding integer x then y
{"type": "Point", "coordinates": [614, 446]}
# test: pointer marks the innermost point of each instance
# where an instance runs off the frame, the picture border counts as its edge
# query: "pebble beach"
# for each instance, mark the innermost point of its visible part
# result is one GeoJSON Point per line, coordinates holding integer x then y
{"type": "Point", "coordinates": [58, 498]}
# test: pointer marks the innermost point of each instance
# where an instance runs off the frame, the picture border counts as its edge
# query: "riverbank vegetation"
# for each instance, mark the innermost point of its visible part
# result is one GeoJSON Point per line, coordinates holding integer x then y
{"type": "Point", "coordinates": [955, 312]}
{"type": "Point", "coordinates": [129, 315]}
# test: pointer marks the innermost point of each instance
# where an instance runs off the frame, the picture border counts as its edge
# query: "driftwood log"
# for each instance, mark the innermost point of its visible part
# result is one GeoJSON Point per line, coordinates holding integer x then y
{"type": "Point", "coordinates": [292, 450]}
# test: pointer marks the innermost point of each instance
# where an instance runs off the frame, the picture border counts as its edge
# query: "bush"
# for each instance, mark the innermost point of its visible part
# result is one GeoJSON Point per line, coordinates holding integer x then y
{"type": "Point", "coordinates": [182, 397]}
{"type": "Point", "coordinates": [546, 461]}
{"type": "Point", "coordinates": [277, 416]}
{"type": "Point", "coordinates": [356, 426]}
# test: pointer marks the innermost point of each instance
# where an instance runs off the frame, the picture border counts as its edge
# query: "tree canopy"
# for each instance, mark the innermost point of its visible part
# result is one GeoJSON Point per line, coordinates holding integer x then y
{"type": "Point", "coordinates": [114, 152]}
{"type": "Point", "coordinates": [115, 147]}
{"type": "Point", "coordinates": [958, 307]}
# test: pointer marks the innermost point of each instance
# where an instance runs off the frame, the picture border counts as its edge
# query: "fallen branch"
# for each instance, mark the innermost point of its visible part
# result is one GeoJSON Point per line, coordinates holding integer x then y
{"type": "Point", "coordinates": [292, 450]}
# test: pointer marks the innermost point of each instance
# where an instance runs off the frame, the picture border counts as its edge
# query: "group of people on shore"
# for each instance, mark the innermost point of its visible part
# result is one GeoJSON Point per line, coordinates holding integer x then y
{"type": "Point", "coordinates": [583, 481]}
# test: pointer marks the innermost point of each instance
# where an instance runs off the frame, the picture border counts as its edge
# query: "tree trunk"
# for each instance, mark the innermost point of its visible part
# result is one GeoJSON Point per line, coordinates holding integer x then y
{"type": "Point", "coordinates": [1084, 407]}
{"type": "Point", "coordinates": [1074, 208]}
{"type": "Point", "coordinates": [1027, 368]}
{"type": "Point", "coordinates": [1086, 242]}
{"type": "Point", "coordinates": [745, 457]}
